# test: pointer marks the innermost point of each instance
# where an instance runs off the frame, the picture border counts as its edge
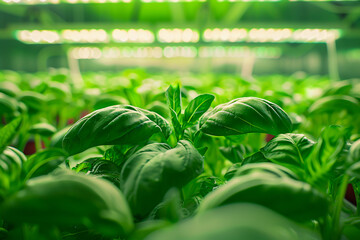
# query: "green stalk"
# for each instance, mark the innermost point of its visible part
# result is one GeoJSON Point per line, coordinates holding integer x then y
{"type": "Point", "coordinates": [38, 142]}
{"type": "Point", "coordinates": [335, 224]}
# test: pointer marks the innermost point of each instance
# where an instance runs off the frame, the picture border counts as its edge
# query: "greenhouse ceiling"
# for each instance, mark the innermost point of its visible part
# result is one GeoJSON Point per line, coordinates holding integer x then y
{"type": "Point", "coordinates": [186, 28]}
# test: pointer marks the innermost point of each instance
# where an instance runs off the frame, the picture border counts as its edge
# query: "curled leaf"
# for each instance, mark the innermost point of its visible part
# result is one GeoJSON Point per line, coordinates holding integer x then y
{"type": "Point", "coordinates": [246, 115]}
{"type": "Point", "coordinates": [114, 125]}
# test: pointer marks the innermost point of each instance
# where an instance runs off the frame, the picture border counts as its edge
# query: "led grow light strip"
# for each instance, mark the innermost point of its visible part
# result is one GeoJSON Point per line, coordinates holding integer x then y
{"type": "Point", "coordinates": [176, 35]}
{"type": "Point", "coordinates": [270, 35]}
{"type": "Point", "coordinates": [173, 52]}
{"type": "Point", "coordinates": [85, 36]}
{"type": "Point", "coordinates": [35, 2]}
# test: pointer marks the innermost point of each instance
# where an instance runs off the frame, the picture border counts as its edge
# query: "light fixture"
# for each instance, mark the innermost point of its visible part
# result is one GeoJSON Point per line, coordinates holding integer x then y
{"type": "Point", "coordinates": [270, 35]}
{"type": "Point", "coordinates": [174, 52]}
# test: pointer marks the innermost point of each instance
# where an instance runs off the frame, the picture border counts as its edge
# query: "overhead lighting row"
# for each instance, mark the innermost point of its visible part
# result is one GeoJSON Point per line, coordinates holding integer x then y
{"type": "Point", "coordinates": [36, 2]}
{"type": "Point", "coordinates": [85, 36]}
{"type": "Point", "coordinates": [33, 2]}
{"type": "Point", "coordinates": [173, 52]}
{"type": "Point", "coordinates": [270, 35]}
{"type": "Point", "coordinates": [177, 35]}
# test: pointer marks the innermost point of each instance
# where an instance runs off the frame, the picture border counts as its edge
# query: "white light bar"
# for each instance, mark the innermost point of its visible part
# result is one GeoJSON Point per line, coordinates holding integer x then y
{"type": "Point", "coordinates": [133, 35]}
{"type": "Point", "coordinates": [177, 35]}
{"type": "Point", "coordinates": [173, 52]}
{"type": "Point", "coordinates": [85, 36]}
{"type": "Point", "coordinates": [270, 35]}
{"type": "Point", "coordinates": [37, 2]}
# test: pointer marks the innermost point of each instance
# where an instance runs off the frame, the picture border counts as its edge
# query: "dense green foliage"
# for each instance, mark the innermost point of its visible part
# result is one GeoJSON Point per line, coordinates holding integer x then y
{"type": "Point", "coordinates": [139, 156]}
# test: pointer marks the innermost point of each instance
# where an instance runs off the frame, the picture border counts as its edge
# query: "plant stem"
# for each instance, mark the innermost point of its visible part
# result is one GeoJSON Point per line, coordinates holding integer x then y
{"type": "Point", "coordinates": [336, 228]}
{"type": "Point", "coordinates": [37, 142]}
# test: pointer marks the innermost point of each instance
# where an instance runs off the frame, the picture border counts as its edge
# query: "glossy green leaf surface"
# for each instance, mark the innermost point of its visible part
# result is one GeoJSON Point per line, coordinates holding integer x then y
{"type": "Point", "coordinates": [173, 97]}
{"type": "Point", "coordinates": [43, 129]}
{"type": "Point", "coordinates": [335, 103]}
{"type": "Point", "coordinates": [11, 165]}
{"type": "Point", "coordinates": [245, 221]}
{"type": "Point", "coordinates": [57, 138]}
{"type": "Point", "coordinates": [355, 151]}
{"type": "Point", "coordinates": [274, 190]}
{"type": "Point", "coordinates": [150, 172]}
{"type": "Point", "coordinates": [67, 199]}
{"type": "Point", "coordinates": [289, 150]}
{"type": "Point", "coordinates": [197, 107]}
{"type": "Point", "coordinates": [246, 115]}
{"type": "Point", "coordinates": [325, 155]}
{"type": "Point", "coordinates": [237, 170]}
{"type": "Point", "coordinates": [34, 101]}
{"type": "Point", "coordinates": [8, 105]}
{"type": "Point", "coordinates": [8, 132]}
{"type": "Point", "coordinates": [114, 125]}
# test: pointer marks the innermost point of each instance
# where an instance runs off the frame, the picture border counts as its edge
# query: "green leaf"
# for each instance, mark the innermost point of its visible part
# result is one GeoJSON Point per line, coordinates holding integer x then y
{"type": "Point", "coordinates": [8, 132]}
{"type": "Point", "coordinates": [289, 150]}
{"type": "Point", "coordinates": [43, 129]}
{"type": "Point", "coordinates": [237, 221]}
{"type": "Point", "coordinates": [272, 188]}
{"type": "Point", "coordinates": [57, 138]}
{"type": "Point", "coordinates": [246, 115]}
{"type": "Point", "coordinates": [325, 156]}
{"type": "Point", "coordinates": [101, 168]}
{"type": "Point", "coordinates": [114, 125]}
{"type": "Point", "coordinates": [197, 107]}
{"type": "Point", "coordinates": [335, 103]}
{"type": "Point", "coordinates": [355, 151]}
{"type": "Point", "coordinates": [176, 124]}
{"type": "Point", "coordinates": [34, 101]}
{"type": "Point", "coordinates": [106, 101]}
{"type": "Point", "coordinates": [173, 97]}
{"type": "Point", "coordinates": [277, 170]}
{"type": "Point", "coordinates": [68, 199]}
{"type": "Point", "coordinates": [257, 157]}
{"type": "Point", "coordinates": [11, 165]}
{"type": "Point", "coordinates": [43, 162]}
{"type": "Point", "coordinates": [150, 172]}
{"type": "Point", "coordinates": [8, 105]}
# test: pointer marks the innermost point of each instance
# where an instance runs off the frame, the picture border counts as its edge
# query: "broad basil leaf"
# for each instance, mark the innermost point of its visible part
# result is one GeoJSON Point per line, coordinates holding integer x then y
{"type": "Point", "coordinates": [57, 138]}
{"type": "Point", "coordinates": [173, 97]}
{"type": "Point", "coordinates": [114, 125]}
{"type": "Point", "coordinates": [150, 172]}
{"type": "Point", "coordinates": [43, 129]}
{"type": "Point", "coordinates": [273, 190]}
{"type": "Point", "coordinates": [267, 168]}
{"type": "Point", "coordinates": [101, 168]}
{"type": "Point", "coordinates": [335, 103]}
{"type": "Point", "coordinates": [197, 107]}
{"type": "Point", "coordinates": [325, 155]}
{"type": "Point", "coordinates": [176, 124]}
{"type": "Point", "coordinates": [8, 132]}
{"type": "Point", "coordinates": [11, 165]}
{"type": "Point", "coordinates": [237, 221]}
{"type": "Point", "coordinates": [107, 101]}
{"type": "Point", "coordinates": [43, 162]}
{"type": "Point", "coordinates": [246, 115]}
{"type": "Point", "coordinates": [355, 151]}
{"type": "Point", "coordinates": [257, 157]}
{"type": "Point", "coordinates": [68, 199]}
{"type": "Point", "coordinates": [8, 105]}
{"type": "Point", "coordinates": [34, 101]}
{"type": "Point", "coordinates": [289, 150]}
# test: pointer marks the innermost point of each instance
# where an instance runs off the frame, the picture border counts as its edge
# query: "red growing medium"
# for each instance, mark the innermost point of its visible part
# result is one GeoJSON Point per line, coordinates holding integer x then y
{"type": "Point", "coordinates": [350, 194]}
{"type": "Point", "coordinates": [30, 147]}
{"type": "Point", "coordinates": [269, 137]}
